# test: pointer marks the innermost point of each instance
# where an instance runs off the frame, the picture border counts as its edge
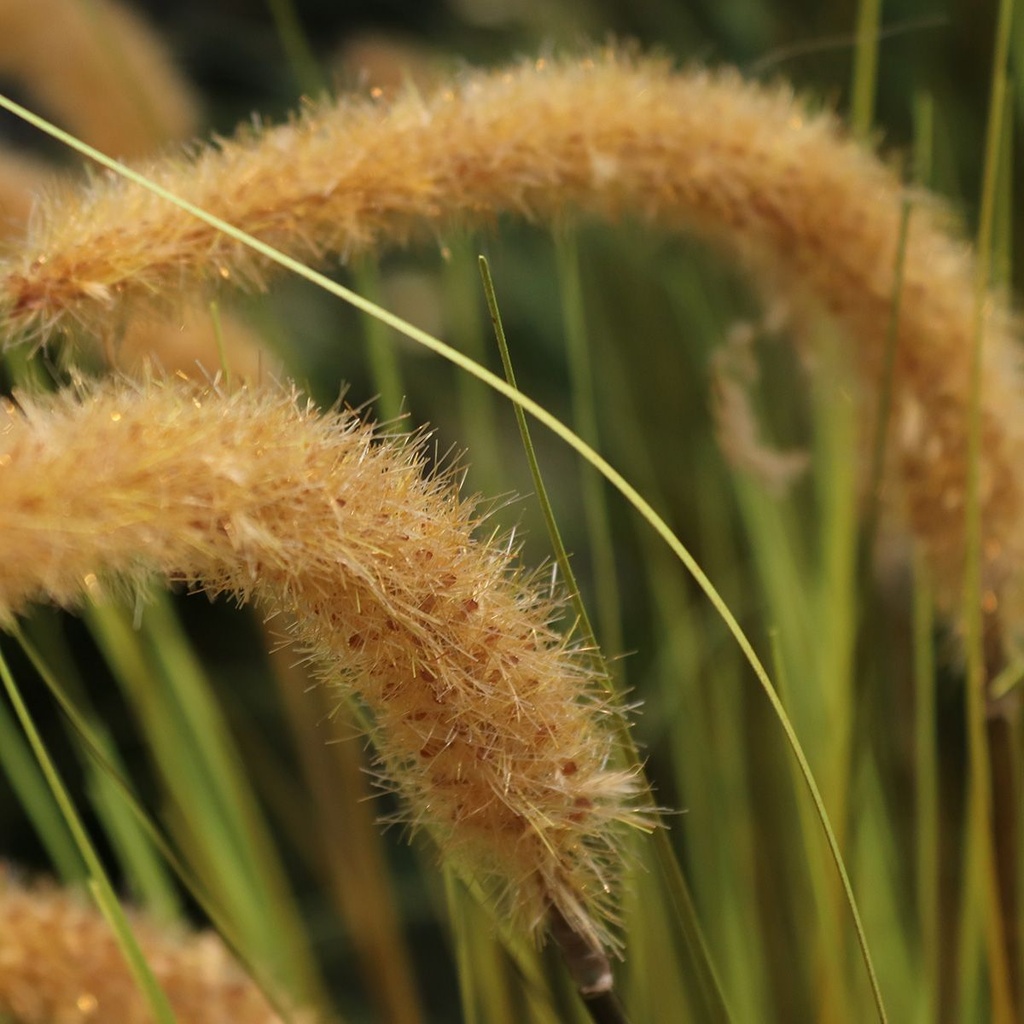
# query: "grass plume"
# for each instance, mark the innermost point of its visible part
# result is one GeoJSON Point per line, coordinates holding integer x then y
{"type": "Point", "coordinates": [109, 78]}
{"type": "Point", "coordinates": [810, 212]}
{"type": "Point", "coordinates": [485, 719]}
{"type": "Point", "coordinates": [60, 962]}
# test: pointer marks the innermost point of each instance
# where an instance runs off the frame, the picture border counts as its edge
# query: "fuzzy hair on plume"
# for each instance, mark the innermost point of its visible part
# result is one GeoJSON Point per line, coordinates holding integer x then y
{"type": "Point", "coordinates": [81, 74]}
{"type": "Point", "coordinates": [811, 213]}
{"type": "Point", "coordinates": [486, 720]}
{"type": "Point", "coordinates": [59, 962]}
{"type": "Point", "coordinates": [490, 724]}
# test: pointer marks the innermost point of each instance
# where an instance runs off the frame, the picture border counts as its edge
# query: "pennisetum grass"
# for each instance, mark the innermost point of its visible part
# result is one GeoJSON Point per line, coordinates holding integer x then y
{"type": "Point", "coordinates": [59, 957]}
{"type": "Point", "coordinates": [85, 81]}
{"type": "Point", "coordinates": [493, 726]}
{"type": "Point", "coordinates": [809, 211]}
{"type": "Point", "coordinates": [485, 720]}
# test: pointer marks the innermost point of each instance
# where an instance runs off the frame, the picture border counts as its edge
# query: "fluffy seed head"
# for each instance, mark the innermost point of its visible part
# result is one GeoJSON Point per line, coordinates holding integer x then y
{"type": "Point", "coordinates": [811, 213]}
{"type": "Point", "coordinates": [59, 962]}
{"type": "Point", "coordinates": [487, 721]}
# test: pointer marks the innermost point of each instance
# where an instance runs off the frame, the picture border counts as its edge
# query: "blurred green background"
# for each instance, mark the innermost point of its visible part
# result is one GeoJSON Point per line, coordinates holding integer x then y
{"type": "Point", "coordinates": [259, 784]}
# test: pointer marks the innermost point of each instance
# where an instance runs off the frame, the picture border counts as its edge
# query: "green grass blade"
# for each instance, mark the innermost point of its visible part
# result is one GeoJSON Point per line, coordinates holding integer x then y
{"type": "Point", "coordinates": [464, 319]}
{"type": "Point", "coordinates": [865, 67]}
{"type": "Point", "coordinates": [27, 781]}
{"type": "Point", "coordinates": [707, 976]}
{"type": "Point", "coordinates": [113, 800]}
{"type": "Point", "coordinates": [211, 808]}
{"type": "Point", "coordinates": [295, 43]}
{"type": "Point", "coordinates": [584, 404]}
{"type": "Point", "coordinates": [543, 499]}
{"type": "Point", "coordinates": [884, 412]}
{"type": "Point", "coordinates": [385, 369]}
{"type": "Point", "coordinates": [982, 899]}
{"type": "Point", "coordinates": [483, 982]}
{"type": "Point", "coordinates": [99, 883]}
{"type": "Point", "coordinates": [92, 744]}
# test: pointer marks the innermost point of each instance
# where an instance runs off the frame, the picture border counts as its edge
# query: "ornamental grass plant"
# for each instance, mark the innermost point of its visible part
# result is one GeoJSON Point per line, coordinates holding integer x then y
{"type": "Point", "coordinates": [753, 751]}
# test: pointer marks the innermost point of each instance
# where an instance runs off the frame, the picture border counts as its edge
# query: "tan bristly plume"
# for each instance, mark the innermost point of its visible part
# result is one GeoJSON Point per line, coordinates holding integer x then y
{"type": "Point", "coordinates": [59, 962]}
{"type": "Point", "coordinates": [811, 213]}
{"type": "Point", "coordinates": [107, 77]}
{"type": "Point", "coordinates": [189, 339]}
{"type": "Point", "coordinates": [485, 719]}
{"type": "Point", "coordinates": [733, 372]}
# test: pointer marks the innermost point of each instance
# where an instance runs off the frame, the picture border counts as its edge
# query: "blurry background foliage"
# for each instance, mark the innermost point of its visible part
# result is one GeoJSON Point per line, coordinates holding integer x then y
{"type": "Point", "coordinates": [255, 781]}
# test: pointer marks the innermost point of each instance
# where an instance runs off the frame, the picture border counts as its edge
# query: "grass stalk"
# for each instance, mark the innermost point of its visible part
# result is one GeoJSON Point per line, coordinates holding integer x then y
{"type": "Point", "coordinates": [98, 880]}
{"type": "Point", "coordinates": [463, 315]}
{"type": "Point", "coordinates": [385, 368]}
{"type": "Point", "coordinates": [215, 819]}
{"type": "Point", "coordinates": [982, 897]}
{"type": "Point", "coordinates": [114, 802]}
{"type": "Point", "coordinates": [864, 83]}
{"type": "Point", "coordinates": [29, 785]}
{"type": "Point", "coordinates": [585, 420]}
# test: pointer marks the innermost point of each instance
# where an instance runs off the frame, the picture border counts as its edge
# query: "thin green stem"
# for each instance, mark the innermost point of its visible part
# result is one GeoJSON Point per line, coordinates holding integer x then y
{"type": "Point", "coordinates": [595, 503]}
{"type": "Point", "coordinates": [865, 67]}
{"type": "Point", "coordinates": [385, 369]}
{"type": "Point", "coordinates": [94, 747]}
{"type": "Point", "coordinates": [301, 58]}
{"type": "Point", "coordinates": [982, 875]}
{"type": "Point", "coordinates": [22, 773]}
{"type": "Point", "coordinates": [543, 499]}
{"type": "Point", "coordinates": [708, 982]}
{"type": "Point", "coordinates": [99, 882]}
{"type": "Point", "coordinates": [884, 411]}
